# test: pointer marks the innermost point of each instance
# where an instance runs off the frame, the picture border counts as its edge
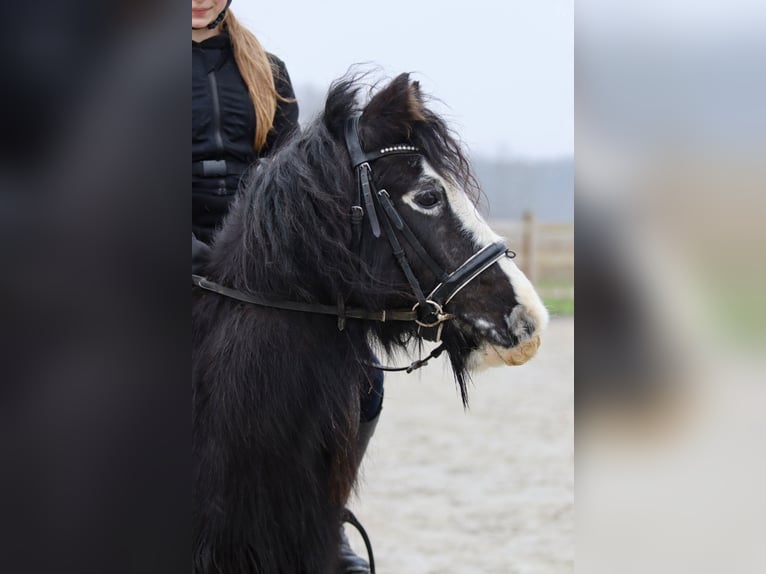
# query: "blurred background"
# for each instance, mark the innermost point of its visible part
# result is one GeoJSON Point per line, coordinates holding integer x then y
{"type": "Point", "coordinates": [670, 103]}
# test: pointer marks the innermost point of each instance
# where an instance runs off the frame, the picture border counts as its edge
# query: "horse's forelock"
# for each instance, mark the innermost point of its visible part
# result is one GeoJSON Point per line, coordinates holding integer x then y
{"type": "Point", "coordinates": [444, 151]}
{"type": "Point", "coordinates": [399, 113]}
{"type": "Point", "coordinates": [341, 103]}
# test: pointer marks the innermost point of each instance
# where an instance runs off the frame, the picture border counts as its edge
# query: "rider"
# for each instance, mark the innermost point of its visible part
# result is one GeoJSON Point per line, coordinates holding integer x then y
{"type": "Point", "coordinates": [243, 109]}
{"type": "Point", "coordinates": [237, 117]}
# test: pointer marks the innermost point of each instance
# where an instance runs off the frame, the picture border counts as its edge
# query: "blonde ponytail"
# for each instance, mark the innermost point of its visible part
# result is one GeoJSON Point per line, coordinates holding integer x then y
{"type": "Point", "coordinates": [257, 72]}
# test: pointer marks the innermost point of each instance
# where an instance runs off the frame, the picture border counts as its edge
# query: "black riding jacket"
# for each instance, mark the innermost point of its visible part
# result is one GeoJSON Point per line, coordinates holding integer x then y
{"type": "Point", "coordinates": [223, 128]}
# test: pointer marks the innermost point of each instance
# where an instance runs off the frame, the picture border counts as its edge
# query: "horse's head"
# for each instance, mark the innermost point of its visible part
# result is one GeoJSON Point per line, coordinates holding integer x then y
{"type": "Point", "coordinates": [497, 317]}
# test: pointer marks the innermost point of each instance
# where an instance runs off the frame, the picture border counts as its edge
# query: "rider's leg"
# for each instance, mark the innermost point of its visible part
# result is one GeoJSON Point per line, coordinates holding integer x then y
{"type": "Point", "coordinates": [372, 404]}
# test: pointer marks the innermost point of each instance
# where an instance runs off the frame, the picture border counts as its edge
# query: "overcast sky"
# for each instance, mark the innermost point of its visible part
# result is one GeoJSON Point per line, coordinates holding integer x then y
{"type": "Point", "coordinates": [504, 69]}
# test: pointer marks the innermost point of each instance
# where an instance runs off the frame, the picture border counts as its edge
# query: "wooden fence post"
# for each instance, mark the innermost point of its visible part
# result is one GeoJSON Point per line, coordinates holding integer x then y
{"type": "Point", "coordinates": [528, 246]}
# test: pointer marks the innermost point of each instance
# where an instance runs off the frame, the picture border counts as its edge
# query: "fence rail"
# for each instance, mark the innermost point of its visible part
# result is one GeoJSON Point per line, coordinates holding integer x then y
{"type": "Point", "coordinates": [544, 251]}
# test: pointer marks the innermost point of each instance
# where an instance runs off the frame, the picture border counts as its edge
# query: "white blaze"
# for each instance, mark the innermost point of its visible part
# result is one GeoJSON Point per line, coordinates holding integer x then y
{"type": "Point", "coordinates": [474, 225]}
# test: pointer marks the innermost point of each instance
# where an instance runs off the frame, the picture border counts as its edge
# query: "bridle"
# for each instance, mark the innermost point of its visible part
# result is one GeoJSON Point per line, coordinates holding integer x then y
{"type": "Point", "coordinates": [429, 310]}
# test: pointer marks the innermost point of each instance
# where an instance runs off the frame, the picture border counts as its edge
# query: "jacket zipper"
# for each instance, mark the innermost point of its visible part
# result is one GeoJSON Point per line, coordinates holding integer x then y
{"type": "Point", "coordinates": [218, 137]}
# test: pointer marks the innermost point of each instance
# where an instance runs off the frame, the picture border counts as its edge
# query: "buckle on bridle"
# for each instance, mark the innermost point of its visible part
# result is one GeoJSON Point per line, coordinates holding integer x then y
{"type": "Point", "coordinates": [431, 317]}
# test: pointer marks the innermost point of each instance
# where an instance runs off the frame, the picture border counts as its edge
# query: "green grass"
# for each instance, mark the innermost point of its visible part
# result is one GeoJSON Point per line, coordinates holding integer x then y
{"type": "Point", "coordinates": [557, 296]}
{"type": "Point", "coordinates": [543, 284]}
{"type": "Point", "coordinates": [559, 307]}
{"type": "Point", "coordinates": [740, 312]}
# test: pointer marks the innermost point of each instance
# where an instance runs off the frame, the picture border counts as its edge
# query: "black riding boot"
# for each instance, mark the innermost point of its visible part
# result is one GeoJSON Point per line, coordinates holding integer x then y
{"type": "Point", "coordinates": [350, 563]}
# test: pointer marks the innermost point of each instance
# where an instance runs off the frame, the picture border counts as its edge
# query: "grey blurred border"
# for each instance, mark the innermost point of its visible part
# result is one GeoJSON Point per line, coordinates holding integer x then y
{"type": "Point", "coordinates": [670, 183]}
{"type": "Point", "coordinates": [94, 342]}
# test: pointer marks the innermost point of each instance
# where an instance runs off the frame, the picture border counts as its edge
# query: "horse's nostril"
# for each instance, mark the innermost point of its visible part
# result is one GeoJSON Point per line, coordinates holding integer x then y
{"type": "Point", "coordinates": [519, 323]}
{"type": "Point", "coordinates": [528, 328]}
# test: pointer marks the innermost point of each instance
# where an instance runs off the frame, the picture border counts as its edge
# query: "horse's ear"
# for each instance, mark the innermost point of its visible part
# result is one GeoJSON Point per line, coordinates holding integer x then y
{"type": "Point", "coordinates": [398, 105]}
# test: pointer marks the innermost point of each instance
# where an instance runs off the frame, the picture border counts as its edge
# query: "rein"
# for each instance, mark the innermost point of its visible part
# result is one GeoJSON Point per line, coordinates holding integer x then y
{"type": "Point", "coordinates": [341, 313]}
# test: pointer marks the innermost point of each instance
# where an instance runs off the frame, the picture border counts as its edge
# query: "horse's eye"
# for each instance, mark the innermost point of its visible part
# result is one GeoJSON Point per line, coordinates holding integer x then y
{"type": "Point", "coordinates": [427, 198]}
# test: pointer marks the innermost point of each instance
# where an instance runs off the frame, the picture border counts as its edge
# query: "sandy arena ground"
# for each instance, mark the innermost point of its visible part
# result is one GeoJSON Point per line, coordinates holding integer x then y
{"type": "Point", "coordinates": [486, 491]}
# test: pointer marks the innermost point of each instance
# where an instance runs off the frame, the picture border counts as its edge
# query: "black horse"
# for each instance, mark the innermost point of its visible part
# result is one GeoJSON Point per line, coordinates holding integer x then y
{"type": "Point", "coordinates": [353, 218]}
